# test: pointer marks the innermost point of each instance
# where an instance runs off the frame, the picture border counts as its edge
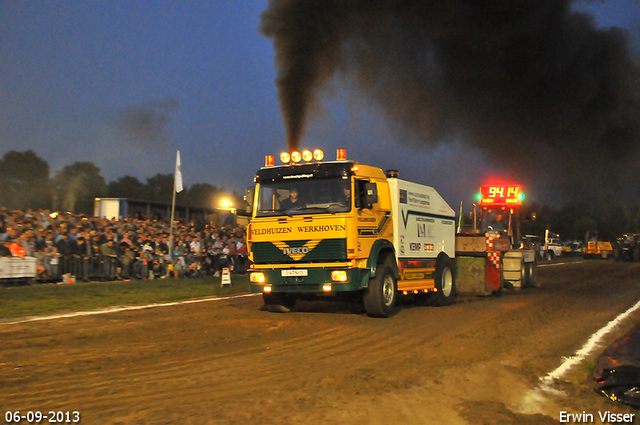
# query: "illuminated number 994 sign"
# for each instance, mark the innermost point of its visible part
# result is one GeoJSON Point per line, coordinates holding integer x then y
{"type": "Point", "coordinates": [501, 195]}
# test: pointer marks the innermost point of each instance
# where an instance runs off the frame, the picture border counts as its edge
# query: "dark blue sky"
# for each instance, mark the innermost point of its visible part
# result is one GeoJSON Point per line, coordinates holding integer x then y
{"type": "Point", "coordinates": [124, 84]}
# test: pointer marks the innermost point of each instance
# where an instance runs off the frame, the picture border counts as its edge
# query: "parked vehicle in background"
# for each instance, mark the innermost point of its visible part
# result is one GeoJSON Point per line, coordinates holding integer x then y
{"type": "Point", "coordinates": [573, 248]}
{"type": "Point", "coordinates": [532, 242]}
{"type": "Point", "coordinates": [552, 246]}
{"type": "Point", "coordinates": [627, 247]}
{"type": "Point", "coordinates": [598, 249]}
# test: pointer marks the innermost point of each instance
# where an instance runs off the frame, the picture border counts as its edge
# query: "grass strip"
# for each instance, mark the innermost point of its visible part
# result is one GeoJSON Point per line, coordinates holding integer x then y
{"type": "Point", "coordinates": [41, 299]}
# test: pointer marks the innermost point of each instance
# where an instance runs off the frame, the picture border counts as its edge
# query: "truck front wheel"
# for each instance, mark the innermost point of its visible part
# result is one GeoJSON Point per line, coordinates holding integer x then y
{"type": "Point", "coordinates": [279, 302]}
{"type": "Point", "coordinates": [381, 296]}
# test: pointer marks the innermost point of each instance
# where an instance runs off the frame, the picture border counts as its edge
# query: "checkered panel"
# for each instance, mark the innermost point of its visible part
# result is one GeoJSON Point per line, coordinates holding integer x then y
{"type": "Point", "coordinates": [494, 258]}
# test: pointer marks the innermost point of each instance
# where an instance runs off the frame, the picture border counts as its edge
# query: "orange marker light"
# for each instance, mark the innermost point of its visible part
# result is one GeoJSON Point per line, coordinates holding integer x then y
{"type": "Point", "coordinates": [296, 157]}
{"type": "Point", "coordinates": [269, 161]}
{"type": "Point", "coordinates": [341, 155]}
{"type": "Point", "coordinates": [318, 154]}
{"type": "Point", "coordinates": [307, 155]}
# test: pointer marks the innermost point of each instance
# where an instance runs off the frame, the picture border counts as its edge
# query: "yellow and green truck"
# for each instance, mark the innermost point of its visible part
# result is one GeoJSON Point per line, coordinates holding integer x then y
{"type": "Point", "coordinates": [338, 228]}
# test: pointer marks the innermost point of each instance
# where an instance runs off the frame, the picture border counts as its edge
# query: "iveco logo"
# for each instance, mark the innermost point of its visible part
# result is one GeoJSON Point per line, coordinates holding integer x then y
{"type": "Point", "coordinates": [301, 250]}
{"type": "Point", "coordinates": [296, 253]}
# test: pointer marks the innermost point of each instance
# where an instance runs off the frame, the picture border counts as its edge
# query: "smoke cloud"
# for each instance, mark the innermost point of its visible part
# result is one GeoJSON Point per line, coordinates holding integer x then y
{"type": "Point", "coordinates": [146, 125]}
{"type": "Point", "coordinates": [532, 83]}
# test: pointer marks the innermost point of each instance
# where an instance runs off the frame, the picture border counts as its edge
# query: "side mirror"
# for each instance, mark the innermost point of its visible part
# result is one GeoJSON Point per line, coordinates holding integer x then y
{"type": "Point", "coordinates": [369, 195]}
{"type": "Point", "coordinates": [249, 198]}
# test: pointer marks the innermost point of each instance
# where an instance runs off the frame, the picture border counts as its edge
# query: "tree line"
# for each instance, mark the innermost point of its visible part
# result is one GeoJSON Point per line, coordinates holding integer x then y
{"type": "Point", "coordinates": [25, 183]}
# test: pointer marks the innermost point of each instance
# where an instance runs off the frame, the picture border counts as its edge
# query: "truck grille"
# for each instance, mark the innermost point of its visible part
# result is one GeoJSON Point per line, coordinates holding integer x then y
{"type": "Point", "coordinates": [306, 251]}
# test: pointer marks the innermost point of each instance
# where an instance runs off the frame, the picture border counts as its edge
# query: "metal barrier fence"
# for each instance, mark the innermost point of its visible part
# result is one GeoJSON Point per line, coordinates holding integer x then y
{"type": "Point", "coordinates": [109, 268]}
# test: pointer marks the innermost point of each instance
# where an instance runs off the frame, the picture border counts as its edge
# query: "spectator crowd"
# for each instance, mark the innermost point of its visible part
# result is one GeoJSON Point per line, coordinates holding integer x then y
{"type": "Point", "coordinates": [94, 248]}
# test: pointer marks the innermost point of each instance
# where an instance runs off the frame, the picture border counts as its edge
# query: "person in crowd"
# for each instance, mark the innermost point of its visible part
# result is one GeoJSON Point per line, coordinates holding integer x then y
{"type": "Point", "coordinates": [145, 262]}
{"type": "Point", "coordinates": [9, 233]}
{"type": "Point", "coordinates": [108, 254]}
{"type": "Point", "coordinates": [178, 264]}
{"type": "Point", "coordinates": [27, 241]}
{"type": "Point", "coordinates": [229, 251]}
{"type": "Point", "coordinates": [66, 251]}
{"type": "Point", "coordinates": [4, 249]}
{"type": "Point", "coordinates": [127, 260]}
{"type": "Point", "coordinates": [53, 262]}
{"type": "Point", "coordinates": [16, 249]}
{"type": "Point", "coordinates": [80, 253]}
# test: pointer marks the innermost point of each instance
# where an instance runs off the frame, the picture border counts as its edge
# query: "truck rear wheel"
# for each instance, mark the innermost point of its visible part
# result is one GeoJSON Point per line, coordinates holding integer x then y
{"type": "Point", "coordinates": [530, 275]}
{"type": "Point", "coordinates": [279, 302]}
{"type": "Point", "coordinates": [445, 283]}
{"type": "Point", "coordinates": [617, 254]}
{"type": "Point", "coordinates": [382, 294]}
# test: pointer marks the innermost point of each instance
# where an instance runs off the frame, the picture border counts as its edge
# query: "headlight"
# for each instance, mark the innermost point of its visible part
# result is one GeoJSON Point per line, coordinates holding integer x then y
{"type": "Point", "coordinates": [339, 275]}
{"type": "Point", "coordinates": [257, 277]}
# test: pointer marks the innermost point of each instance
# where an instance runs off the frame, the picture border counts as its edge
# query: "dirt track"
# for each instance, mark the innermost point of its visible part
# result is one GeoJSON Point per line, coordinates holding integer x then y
{"type": "Point", "coordinates": [476, 362]}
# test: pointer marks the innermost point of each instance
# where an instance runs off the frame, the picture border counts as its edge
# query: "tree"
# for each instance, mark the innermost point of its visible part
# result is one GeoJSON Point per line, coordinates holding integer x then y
{"type": "Point", "coordinates": [127, 187]}
{"type": "Point", "coordinates": [565, 219]}
{"type": "Point", "coordinates": [76, 186]}
{"type": "Point", "coordinates": [160, 188]}
{"type": "Point", "coordinates": [201, 195]}
{"type": "Point", "coordinates": [24, 181]}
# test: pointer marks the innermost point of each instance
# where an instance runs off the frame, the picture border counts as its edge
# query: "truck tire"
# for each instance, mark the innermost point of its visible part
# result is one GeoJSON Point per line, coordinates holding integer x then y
{"type": "Point", "coordinates": [381, 296]}
{"type": "Point", "coordinates": [279, 302]}
{"type": "Point", "coordinates": [617, 254]}
{"type": "Point", "coordinates": [445, 282]}
{"type": "Point", "coordinates": [530, 275]}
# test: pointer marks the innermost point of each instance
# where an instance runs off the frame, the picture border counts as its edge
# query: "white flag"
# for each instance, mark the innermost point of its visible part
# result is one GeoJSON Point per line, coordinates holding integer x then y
{"type": "Point", "coordinates": [178, 184]}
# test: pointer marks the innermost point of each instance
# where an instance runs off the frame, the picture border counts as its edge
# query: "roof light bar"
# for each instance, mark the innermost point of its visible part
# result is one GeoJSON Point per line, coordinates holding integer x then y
{"type": "Point", "coordinates": [296, 157]}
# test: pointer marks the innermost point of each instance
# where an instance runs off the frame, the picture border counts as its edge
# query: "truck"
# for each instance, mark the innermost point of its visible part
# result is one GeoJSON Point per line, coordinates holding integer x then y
{"type": "Point", "coordinates": [595, 248]}
{"type": "Point", "coordinates": [340, 229]}
{"type": "Point", "coordinates": [627, 247]}
{"type": "Point", "coordinates": [552, 247]}
{"type": "Point", "coordinates": [491, 251]}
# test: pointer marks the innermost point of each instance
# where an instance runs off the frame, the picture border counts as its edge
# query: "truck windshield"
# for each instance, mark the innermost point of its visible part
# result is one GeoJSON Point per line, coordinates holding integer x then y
{"type": "Point", "coordinates": [316, 196]}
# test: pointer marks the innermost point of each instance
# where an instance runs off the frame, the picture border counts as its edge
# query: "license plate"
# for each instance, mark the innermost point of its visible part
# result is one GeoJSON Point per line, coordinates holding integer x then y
{"type": "Point", "coordinates": [294, 273]}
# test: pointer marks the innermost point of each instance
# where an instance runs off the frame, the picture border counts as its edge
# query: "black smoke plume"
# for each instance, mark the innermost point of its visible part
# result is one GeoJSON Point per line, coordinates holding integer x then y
{"type": "Point", "coordinates": [146, 125]}
{"type": "Point", "coordinates": [532, 83]}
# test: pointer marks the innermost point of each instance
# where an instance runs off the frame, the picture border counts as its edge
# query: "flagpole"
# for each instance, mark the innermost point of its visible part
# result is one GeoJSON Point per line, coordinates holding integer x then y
{"type": "Point", "coordinates": [176, 174]}
{"type": "Point", "coordinates": [173, 209]}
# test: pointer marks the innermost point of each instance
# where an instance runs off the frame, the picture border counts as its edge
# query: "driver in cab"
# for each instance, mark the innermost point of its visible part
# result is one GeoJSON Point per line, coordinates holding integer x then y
{"type": "Point", "coordinates": [292, 201]}
{"type": "Point", "coordinates": [498, 225]}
